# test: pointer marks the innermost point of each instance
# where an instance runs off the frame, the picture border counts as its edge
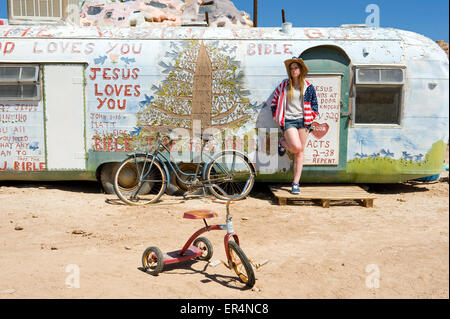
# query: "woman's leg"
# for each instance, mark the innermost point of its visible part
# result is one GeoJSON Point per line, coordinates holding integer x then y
{"type": "Point", "coordinates": [293, 144]}
{"type": "Point", "coordinates": [300, 155]}
{"type": "Point", "coordinates": [291, 140]}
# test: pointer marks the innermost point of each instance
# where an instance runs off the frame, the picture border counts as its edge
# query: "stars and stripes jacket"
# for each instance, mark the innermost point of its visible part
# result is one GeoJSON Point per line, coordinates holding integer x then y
{"type": "Point", "coordinates": [279, 101]}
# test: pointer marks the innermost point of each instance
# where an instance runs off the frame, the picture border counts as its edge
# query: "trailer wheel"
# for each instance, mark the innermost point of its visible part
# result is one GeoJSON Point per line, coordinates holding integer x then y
{"type": "Point", "coordinates": [107, 177]}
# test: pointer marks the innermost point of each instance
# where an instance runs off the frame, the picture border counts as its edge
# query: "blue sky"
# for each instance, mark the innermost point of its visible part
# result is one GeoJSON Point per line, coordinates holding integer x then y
{"type": "Point", "coordinates": [3, 9]}
{"type": "Point", "coordinates": [429, 17]}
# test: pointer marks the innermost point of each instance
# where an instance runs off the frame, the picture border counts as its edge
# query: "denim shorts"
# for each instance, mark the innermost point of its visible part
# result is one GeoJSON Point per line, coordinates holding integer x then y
{"type": "Point", "coordinates": [297, 123]}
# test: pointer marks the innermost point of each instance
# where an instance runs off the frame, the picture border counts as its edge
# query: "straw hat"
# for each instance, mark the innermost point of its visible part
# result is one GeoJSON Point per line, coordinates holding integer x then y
{"type": "Point", "coordinates": [304, 68]}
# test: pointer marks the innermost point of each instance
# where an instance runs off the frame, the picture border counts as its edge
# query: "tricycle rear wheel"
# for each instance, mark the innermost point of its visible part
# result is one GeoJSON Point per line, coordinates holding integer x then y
{"type": "Point", "coordinates": [153, 260]}
{"type": "Point", "coordinates": [204, 244]}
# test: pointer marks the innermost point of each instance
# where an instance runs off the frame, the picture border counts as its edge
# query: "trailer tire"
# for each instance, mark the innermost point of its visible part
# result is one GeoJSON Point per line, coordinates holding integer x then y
{"type": "Point", "coordinates": [107, 177]}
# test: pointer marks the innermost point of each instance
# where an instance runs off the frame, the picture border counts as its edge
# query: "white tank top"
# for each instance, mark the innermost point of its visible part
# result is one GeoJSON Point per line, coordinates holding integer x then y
{"type": "Point", "coordinates": [294, 108]}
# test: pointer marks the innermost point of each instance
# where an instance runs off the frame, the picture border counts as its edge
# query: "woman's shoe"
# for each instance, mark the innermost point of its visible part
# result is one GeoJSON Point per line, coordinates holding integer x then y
{"type": "Point", "coordinates": [295, 189]}
{"type": "Point", "coordinates": [281, 148]}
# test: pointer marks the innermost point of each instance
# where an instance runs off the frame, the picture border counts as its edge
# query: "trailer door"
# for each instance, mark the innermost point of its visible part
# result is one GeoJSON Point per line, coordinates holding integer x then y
{"type": "Point", "coordinates": [329, 72]}
{"type": "Point", "coordinates": [64, 116]}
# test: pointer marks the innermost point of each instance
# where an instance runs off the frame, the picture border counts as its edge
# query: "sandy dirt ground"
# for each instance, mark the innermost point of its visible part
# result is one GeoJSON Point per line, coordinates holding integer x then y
{"type": "Point", "coordinates": [54, 235]}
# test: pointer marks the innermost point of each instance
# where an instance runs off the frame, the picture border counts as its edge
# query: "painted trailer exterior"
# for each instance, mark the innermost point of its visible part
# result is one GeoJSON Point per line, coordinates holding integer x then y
{"type": "Point", "coordinates": [74, 101]}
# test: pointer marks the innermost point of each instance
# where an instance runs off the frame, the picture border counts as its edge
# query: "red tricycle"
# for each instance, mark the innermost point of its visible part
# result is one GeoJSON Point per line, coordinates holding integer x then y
{"type": "Point", "coordinates": [200, 248]}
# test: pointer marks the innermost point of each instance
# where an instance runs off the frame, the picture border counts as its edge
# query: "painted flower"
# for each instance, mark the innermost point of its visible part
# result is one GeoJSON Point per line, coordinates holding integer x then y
{"type": "Point", "coordinates": [114, 57]}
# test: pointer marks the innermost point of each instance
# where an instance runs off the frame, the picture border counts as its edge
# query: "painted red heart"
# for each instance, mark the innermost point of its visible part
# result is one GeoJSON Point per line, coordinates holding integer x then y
{"type": "Point", "coordinates": [319, 129]}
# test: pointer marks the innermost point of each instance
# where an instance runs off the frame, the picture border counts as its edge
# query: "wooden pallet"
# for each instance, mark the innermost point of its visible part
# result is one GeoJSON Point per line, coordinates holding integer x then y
{"type": "Point", "coordinates": [324, 193]}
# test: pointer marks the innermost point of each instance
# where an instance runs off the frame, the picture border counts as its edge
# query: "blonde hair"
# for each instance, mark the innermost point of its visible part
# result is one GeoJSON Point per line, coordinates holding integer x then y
{"type": "Point", "coordinates": [301, 79]}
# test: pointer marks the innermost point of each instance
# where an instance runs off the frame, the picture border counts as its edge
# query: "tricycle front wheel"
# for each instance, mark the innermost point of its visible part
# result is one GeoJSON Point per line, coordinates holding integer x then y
{"type": "Point", "coordinates": [240, 264]}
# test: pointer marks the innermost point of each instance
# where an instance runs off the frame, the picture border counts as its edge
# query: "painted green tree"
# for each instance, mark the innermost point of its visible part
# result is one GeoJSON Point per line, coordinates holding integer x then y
{"type": "Point", "coordinates": [204, 82]}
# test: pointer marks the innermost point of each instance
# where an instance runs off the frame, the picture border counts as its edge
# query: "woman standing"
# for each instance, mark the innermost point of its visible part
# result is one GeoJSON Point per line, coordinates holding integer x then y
{"type": "Point", "coordinates": [294, 108]}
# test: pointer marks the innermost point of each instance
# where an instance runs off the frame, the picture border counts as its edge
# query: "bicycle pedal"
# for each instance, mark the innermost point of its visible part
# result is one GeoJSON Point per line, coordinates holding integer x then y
{"type": "Point", "coordinates": [193, 193]}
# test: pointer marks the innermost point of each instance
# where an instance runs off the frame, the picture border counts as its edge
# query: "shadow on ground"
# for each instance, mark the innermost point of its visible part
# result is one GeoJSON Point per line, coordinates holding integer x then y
{"type": "Point", "coordinates": [260, 189]}
{"type": "Point", "coordinates": [399, 188]}
{"type": "Point", "coordinates": [71, 186]}
{"type": "Point", "coordinates": [231, 281]}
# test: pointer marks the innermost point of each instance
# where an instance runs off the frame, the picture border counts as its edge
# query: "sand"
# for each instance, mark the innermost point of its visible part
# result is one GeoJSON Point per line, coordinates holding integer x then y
{"type": "Point", "coordinates": [69, 240]}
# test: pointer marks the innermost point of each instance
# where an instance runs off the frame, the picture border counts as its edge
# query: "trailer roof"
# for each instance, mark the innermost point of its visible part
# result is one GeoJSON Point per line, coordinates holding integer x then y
{"type": "Point", "coordinates": [340, 33]}
{"type": "Point", "coordinates": [395, 46]}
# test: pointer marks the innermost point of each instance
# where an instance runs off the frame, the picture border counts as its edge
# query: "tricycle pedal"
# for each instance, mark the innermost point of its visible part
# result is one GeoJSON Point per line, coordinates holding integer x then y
{"type": "Point", "coordinates": [214, 263]}
{"type": "Point", "coordinates": [258, 265]}
{"type": "Point", "coordinates": [226, 264]}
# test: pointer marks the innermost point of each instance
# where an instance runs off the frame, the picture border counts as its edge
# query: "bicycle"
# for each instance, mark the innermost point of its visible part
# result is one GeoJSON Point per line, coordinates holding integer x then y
{"type": "Point", "coordinates": [200, 248]}
{"type": "Point", "coordinates": [142, 178]}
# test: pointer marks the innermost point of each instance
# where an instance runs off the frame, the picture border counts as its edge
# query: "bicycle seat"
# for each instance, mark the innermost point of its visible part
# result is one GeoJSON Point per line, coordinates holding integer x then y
{"type": "Point", "coordinates": [200, 214]}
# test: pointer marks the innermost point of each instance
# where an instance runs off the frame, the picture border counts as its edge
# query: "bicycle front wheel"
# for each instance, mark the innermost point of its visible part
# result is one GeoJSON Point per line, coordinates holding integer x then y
{"type": "Point", "coordinates": [232, 172]}
{"type": "Point", "coordinates": [241, 264]}
{"type": "Point", "coordinates": [138, 181]}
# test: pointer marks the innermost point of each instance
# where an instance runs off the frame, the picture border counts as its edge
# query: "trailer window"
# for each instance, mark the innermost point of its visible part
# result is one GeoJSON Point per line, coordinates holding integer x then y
{"type": "Point", "coordinates": [379, 76]}
{"type": "Point", "coordinates": [49, 11]}
{"type": "Point", "coordinates": [19, 82]}
{"type": "Point", "coordinates": [378, 96]}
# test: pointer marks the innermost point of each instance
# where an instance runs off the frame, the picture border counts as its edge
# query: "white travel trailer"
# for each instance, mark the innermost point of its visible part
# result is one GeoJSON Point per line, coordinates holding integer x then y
{"type": "Point", "coordinates": [75, 100]}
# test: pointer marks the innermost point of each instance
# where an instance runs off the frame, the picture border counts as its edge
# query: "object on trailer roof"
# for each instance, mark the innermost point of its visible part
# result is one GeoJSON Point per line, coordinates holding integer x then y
{"type": "Point", "coordinates": [222, 13]}
{"type": "Point", "coordinates": [144, 13]}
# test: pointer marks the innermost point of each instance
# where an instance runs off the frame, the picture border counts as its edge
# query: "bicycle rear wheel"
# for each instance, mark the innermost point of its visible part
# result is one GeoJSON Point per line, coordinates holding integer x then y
{"type": "Point", "coordinates": [232, 172]}
{"type": "Point", "coordinates": [241, 264]}
{"type": "Point", "coordinates": [138, 181]}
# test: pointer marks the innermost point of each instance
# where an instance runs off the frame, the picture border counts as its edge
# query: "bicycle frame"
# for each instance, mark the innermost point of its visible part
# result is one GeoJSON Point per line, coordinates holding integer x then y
{"type": "Point", "coordinates": [175, 168]}
{"type": "Point", "coordinates": [157, 153]}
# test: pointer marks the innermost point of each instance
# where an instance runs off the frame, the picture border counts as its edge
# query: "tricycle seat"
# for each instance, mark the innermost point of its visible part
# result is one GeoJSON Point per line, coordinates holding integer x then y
{"type": "Point", "coordinates": [200, 214]}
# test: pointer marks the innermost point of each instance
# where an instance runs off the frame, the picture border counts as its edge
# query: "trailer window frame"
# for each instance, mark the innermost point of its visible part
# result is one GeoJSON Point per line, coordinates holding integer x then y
{"type": "Point", "coordinates": [20, 81]}
{"type": "Point", "coordinates": [360, 83]}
